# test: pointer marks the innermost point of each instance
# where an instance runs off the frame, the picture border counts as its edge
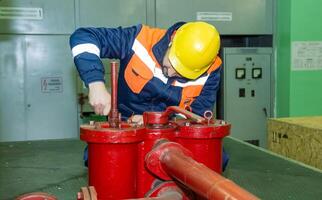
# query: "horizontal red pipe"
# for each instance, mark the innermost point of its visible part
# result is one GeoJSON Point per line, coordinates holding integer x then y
{"type": "Point", "coordinates": [199, 178]}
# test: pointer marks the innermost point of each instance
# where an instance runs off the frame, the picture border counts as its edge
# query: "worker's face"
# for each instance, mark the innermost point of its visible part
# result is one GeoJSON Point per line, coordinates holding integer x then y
{"type": "Point", "coordinates": [167, 68]}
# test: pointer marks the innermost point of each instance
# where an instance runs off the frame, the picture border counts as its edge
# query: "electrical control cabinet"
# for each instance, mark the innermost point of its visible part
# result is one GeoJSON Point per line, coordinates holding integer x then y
{"type": "Point", "coordinates": [38, 79]}
{"type": "Point", "coordinates": [246, 92]}
{"type": "Point", "coordinates": [38, 88]}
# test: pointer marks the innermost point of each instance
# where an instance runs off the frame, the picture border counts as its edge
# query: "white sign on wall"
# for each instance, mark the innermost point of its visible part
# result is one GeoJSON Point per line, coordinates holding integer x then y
{"type": "Point", "coordinates": [52, 84]}
{"type": "Point", "coordinates": [306, 55]}
{"type": "Point", "coordinates": [214, 16]}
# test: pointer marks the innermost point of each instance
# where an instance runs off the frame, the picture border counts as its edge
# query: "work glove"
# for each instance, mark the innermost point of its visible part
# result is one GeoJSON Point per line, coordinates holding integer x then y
{"type": "Point", "coordinates": [137, 119]}
{"type": "Point", "coordinates": [99, 98]}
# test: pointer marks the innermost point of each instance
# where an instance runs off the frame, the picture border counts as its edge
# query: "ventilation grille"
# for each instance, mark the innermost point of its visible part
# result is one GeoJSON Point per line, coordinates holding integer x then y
{"type": "Point", "coordinates": [21, 13]}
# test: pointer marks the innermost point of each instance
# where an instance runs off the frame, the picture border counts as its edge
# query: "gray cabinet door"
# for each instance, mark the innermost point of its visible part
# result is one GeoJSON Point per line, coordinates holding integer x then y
{"type": "Point", "coordinates": [51, 88]}
{"type": "Point", "coordinates": [12, 101]}
{"type": "Point", "coordinates": [247, 92]}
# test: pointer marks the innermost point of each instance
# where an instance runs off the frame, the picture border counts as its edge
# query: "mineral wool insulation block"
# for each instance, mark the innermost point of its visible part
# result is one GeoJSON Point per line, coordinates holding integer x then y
{"type": "Point", "coordinates": [298, 138]}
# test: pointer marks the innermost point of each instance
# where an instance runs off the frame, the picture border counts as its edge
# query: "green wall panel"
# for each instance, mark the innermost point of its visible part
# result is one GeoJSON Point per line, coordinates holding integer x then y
{"type": "Point", "coordinates": [306, 93]}
{"type": "Point", "coordinates": [306, 20]}
{"type": "Point", "coordinates": [298, 93]}
{"type": "Point", "coordinates": [283, 58]}
{"type": "Point", "coordinates": [306, 86]}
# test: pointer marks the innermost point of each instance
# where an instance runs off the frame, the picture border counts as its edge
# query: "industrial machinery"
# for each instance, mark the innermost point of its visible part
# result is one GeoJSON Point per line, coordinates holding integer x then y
{"type": "Point", "coordinates": [165, 159]}
{"type": "Point", "coordinates": [161, 159]}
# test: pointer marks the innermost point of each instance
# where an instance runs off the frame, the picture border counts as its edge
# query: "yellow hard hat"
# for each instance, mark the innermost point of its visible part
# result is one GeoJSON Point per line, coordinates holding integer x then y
{"type": "Point", "coordinates": [194, 48]}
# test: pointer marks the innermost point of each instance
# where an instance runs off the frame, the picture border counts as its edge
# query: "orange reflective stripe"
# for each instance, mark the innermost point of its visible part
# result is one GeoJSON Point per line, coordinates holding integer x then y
{"type": "Point", "coordinates": [189, 94]}
{"type": "Point", "coordinates": [215, 65]}
{"type": "Point", "coordinates": [141, 67]}
{"type": "Point", "coordinates": [136, 76]}
{"type": "Point", "coordinates": [148, 37]}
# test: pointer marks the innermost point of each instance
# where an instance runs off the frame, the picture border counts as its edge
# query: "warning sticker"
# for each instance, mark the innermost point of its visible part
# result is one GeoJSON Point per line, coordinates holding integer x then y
{"type": "Point", "coordinates": [307, 55]}
{"type": "Point", "coordinates": [52, 84]}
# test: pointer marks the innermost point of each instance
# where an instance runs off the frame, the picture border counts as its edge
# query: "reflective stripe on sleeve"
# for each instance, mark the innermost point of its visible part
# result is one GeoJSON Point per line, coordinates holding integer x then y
{"type": "Point", "coordinates": [87, 47]}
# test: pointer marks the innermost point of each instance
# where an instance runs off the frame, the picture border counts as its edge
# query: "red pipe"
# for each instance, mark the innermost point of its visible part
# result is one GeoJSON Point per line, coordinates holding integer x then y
{"type": "Point", "coordinates": [114, 114]}
{"type": "Point", "coordinates": [189, 115]}
{"type": "Point", "coordinates": [197, 177]}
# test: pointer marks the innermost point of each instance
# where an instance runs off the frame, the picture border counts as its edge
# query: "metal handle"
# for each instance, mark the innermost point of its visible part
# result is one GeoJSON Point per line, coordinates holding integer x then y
{"type": "Point", "coordinates": [265, 111]}
{"type": "Point", "coordinates": [186, 113]}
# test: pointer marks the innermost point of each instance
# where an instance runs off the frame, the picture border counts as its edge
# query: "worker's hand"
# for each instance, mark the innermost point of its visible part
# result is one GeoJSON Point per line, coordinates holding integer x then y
{"type": "Point", "coordinates": [136, 119]}
{"type": "Point", "coordinates": [99, 98]}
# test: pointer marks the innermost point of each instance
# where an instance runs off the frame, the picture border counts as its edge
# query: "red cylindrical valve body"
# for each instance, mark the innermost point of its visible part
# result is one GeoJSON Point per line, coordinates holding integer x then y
{"type": "Point", "coordinates": [112, 159]}
{"type": "Point", "coordinates": [204, 141]}
{"type": "Point", "coordinates": [156, 127]}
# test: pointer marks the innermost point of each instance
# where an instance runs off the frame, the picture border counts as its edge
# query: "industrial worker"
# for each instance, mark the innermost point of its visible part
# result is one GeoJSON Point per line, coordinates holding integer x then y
{"type": "Point", "coordinates": [158, 68]}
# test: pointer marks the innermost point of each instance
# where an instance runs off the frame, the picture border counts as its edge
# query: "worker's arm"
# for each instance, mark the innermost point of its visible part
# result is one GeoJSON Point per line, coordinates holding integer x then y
{"type": "Point", "coordinates": [207, 98]}
{"type": "Point", "coordinates": [171, 95]}
{"type": "Point", "coordinates": [88, 46]}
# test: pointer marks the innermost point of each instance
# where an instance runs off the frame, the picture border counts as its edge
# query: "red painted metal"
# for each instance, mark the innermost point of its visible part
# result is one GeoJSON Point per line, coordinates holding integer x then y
{"type": "Point", "coordinates": [155, 118]}
{"type": "Point", "coordinates": [156, 128]}
{"type": "Point", "coordinates": [113, 158]}
{"type": "Point", "coordinates": [114, 119]}
{"type": "Point", "coordinates": [174, 160]}
{"type": "Point", "coordinates": [204, 141]}
{"type": "Point", "coordinates": [152, 159]}
{"type": "Point", "coordinates": [189, 115]}
{"type": "Point", "coordinates": [36, 196]}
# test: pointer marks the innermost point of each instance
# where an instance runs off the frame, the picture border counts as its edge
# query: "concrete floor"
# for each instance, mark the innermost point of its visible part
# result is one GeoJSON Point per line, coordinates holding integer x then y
{"type": "Point", "coordinates": [56, 167]}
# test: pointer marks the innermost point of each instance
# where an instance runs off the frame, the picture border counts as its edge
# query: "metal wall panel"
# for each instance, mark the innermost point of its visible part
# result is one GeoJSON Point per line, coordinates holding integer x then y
{"type": "Point", "coordinates": [37, 16]}
{"type": "Point", "coordinates": [51, 88]}
{"type": "Point", "coordinates": [102, 13]}
{"type": "Point", "coordinates": [247, 92]}
{"type": "Point", "coordinates": [12, 101]}
{"type": "Point", "coordinates": [248, 17]}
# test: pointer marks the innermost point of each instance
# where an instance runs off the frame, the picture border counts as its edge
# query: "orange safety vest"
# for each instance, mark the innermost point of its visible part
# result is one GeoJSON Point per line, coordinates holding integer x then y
{"type": "Point", "coordinates": [143, 66]}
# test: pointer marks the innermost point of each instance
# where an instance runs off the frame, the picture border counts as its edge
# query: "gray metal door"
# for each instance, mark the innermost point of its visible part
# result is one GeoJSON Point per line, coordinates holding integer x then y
{"type": "Point", "coordinates": [247, 92]}
{"type": "Point", "coordinates": [12, 100]}
{"type": "Point", "coordinates": [51, 88]}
